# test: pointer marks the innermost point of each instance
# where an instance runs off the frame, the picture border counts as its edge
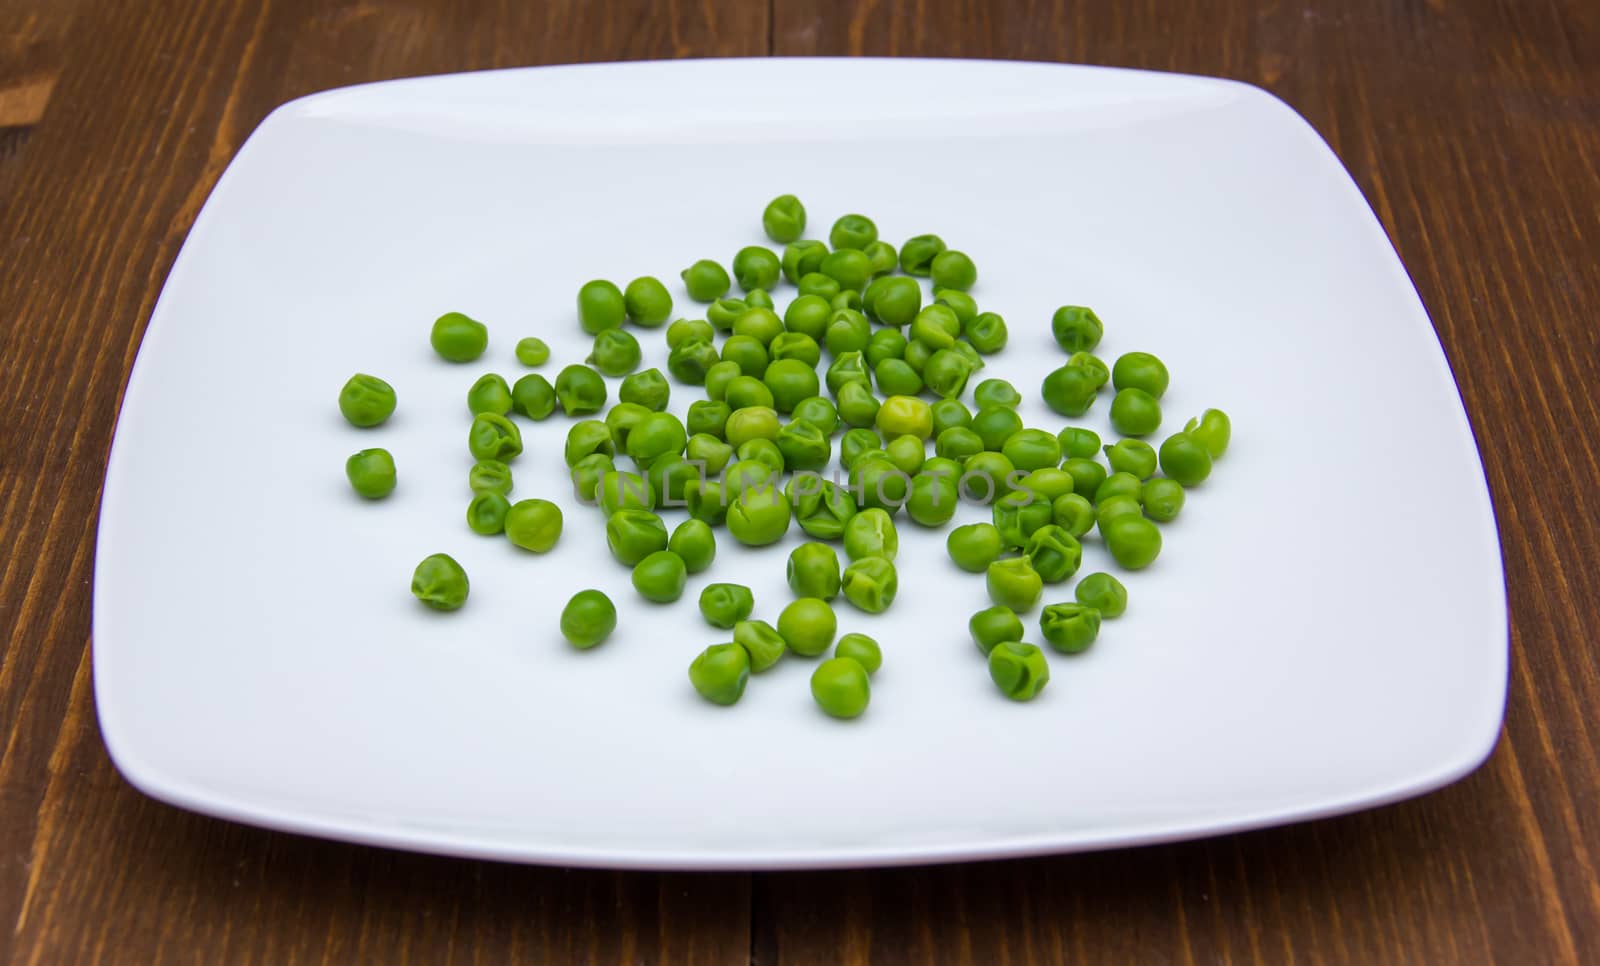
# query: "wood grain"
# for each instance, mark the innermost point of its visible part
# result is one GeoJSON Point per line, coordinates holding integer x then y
{"type": "Point", "coordinates": [1474, 128]}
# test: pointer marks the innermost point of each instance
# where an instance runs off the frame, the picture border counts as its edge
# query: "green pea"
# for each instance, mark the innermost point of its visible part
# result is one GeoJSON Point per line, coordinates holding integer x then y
{"type": "Point", "coordinates": [936, 327]}
{"type": "Point", "coordinates": [784, 219]}
{"type": "Point", "coordinates": [994, 470]}
{"type": "Point", "coordinates": [752, 422]}
{"type": "Point", "coordinates": [486, 514]}
{"type": "Point", "coordinates": [1054, 553]}
{"type": "Point", "coordinates": [761, 641]}
{"type": "Point", "coordinates": [745, 391]}
{"type": "Point", "coordinates": [533, 525]}
{"type": "Point", "coordinates": [894, 301]}
{"type": "Point", "coordinates": [758, 298]}
{"type": "Point", "coordinates": [1213, 429]}
{"type": "Point", "coordinates": [1069, 628]}
{"type": "Point", "coordinates": [601, 306]}
{"type": "Point", "coordinates": [994, 625]}
{"type": "Point", "coordinates": [905, 415]}
{"type": "Point", "coordinates": [974, 547]}
{"type": "Point", "coordinates": [871, 533]}
{"type": "Point", "coordinates": [1185, 459]}
{"type": "Point", "coordinates": [759, 516]}
{"type": "Point", "coordinates": [995, 425]}
{"type": "Point", "coordinates": [946, 373]}
{"type": "Point", "coordinates": [633, 535]}
{"type": "Point", "coordinates": [996, 393]}
{"type": "Point", "coordinates": [821, 507]}
{"type": "Point", "coordinates": [689, 362]}
{"type": "Point", "coordinates": [1118, 484]}
{"type": "Point", "coordinates": [857, 405]}
{"type": "Point", "coordinates": [708, 418]}
{"type": "Point", "coordinates": [861, 649]}
{"type": "Point", "coordinates": [949, 414]}
{"type": "Point", "coordinates": [854, 443]}
{"type": "Point", "coordinates": [706, 500]}
{"type": "Point", "coordinates": [1032, 449]}
{"type": "Point", "coordinates": [720, 673]}
{"type": "Point", "coordinates": [817, 283]}
{"type": "Point", "coordinates": [917, 356]}
{"type": "Point", "coordinates": [918, 253]}
{"type": "Point", "coordinates": [818, 412]}
{"type": "Point", "coordinates": [804, 446]}
{"type": "Point", "coordinates": [621, 420]}
{"type": "Point", "coordinates": [1114, 507]}
{"type": "Point", "coordinates": [656, 435]}
{"type": "Point", "coordinates": [1135, 412]}
{"type": "Point", "coordinates": [886, 345]}
{"type": "Point", "coordinates": [1087, 476]}
{"type": "Point", "coordinates": [1076, 329]}
{"type": "Point", "coordinates": [725, 605]}
{"type": "Point", "coordinates": [532, 352]}
{"type": "Point", "coordinates": [808, 315]}
{"type": "Point", "coordinates": [879, 483]}
{"type": "Point", "coordinates": [848, 367]}
{"type": "Point", "coordinates": [619, 490]}
{"type": "Point", "coordinates": [1069, 390]}
{"type": "Point", "coordinates": [1134, 542]}
{"type": "Point", "coordinates": [765, 452]}
{"type": "Point", "coordinates": [707, 449]}
{"type": "Point", "coordinates": [371, 473]}
{"type": "Point", "coordinates": [813, 571]}
{"type": "Point", "coordinates": [848, 331]}
{"type": "Point", "coordinates": [669, 479]}
{"type": "Point", "coordinates": [457, 338]}
{"type": "Point", "coordinates": [722, 313]}
{"type": "Point", "coordinates": [706, 280]}
{"type": "Point", "coordinates": [1091, 362]}
{"type": "Point", "coordinates": [695, 545]}
{"type": "Point", "coordinates": [719, 376]}
{"type": "Point", "coordinates": [746, 475]}
{"type": "Point", "coordinates": [963, 305]}
{"type": "Point", "coordinates": [1163, 499]}
{"type": "Point", "coordinates": [853, 231]}
{"type": "Point", "coordinates": [958, 443]}
{"type": "Point", "coordinates": [870, 584]}
{"type": "Point", "coordinates": [897, 378]}
{"type": "Point", "coordinates": [756, 267]}
{"type": "Point", "coordinates": [1104, 593]}
{"type": "Point", "coordinates": [1133, 456]}
{"type": "Point", "coordinates": [796, 347]}
{"type": "Point", "coordinates": [580, 390]}
{"type": "Point", "coordinates": [808, 626]}
{"type": "Point", "coordinates": [973, 357]}
{"type": "Point", "coordinates": [987, 332]}
{"type": "Point", "coordinates": [1018, 670]}
{"type": "Point", "coordinates": [953, 269]}
{"type": "Point", "coordinates": [660, 577]}
{"type": "Point", "coordinates": [588, 436]}
{"type": "Point", "coordinates": [588, 619]}
{"type": "Point", "coordinates": [789, 382]}
{"type": "Point", "coordinates": [1049, 482]}
{"type": "Point", "coordinates": [1079, 443]}
{"type": "Point", "coordinates": [849, 267]}
{"type": "Point", "coordinates": [760, 324]}
{"type": "Point", "coordinates": [489, 476]}
{"type": "Point", "coordinates": [615, 353]}
{"type": "Point", "coordinates": [439, 582]}
{"type": "Point", "coordinates": [847, 298]}
{"type": "Point", "coordinates": [685, 330]}
{"type": "Point", "coordinates": [933, 499]}
{"type": "Point", "coordinates": [1140, 370]}
{"type": "Point", "coordinates": [907, 453]}
{"type": "Point", "coordinates": [943, 466]}
{"type": "Point", "coordinates": [801, 258]}
{"type": "Point", "coordinates": [882, 256]}
{"type": "Point", "coordinates": [493, 437]}
{"type": "Point", "coordinates": [647, 388]}
{"type": "Point", "coordinates": [840, 687]}
{"type": "Point", "coordinates": [1018, 515]}
{"type": "Point", "coordinates": [647, 301]}
{"type": "Point", "coordinates": [1073, 513]}
{"type": "Point", "coordinates": [587, 473]}
{"type": "Point", "coordinates": [1015, 584]}
{"type": "Point", "coordinates": [366, 401]}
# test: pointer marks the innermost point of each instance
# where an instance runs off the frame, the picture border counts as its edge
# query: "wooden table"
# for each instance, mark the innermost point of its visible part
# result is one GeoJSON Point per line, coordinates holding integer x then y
{"type": "Point", "coordinates": [1473, 127]}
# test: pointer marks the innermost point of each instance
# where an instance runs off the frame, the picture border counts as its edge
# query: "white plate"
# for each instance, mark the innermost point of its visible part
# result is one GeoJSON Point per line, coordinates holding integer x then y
{"type": "Point", "coordinates": [1326, 629]}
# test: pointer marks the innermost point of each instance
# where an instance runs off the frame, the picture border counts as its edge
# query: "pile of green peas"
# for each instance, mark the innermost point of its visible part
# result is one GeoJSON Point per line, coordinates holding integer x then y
{"type": "Point", "coordinates": [860, 355]}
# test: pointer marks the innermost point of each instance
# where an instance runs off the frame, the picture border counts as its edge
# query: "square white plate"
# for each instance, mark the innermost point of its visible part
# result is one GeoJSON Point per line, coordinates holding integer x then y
{"type": "Point", "coordinates": [1326, 629]}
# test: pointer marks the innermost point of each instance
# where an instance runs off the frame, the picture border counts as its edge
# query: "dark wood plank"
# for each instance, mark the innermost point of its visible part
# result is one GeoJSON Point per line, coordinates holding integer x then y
{"type": "Point", "coordinates": [1474, 128]}
{"type": "Point", "coordinates": [152, 101]}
